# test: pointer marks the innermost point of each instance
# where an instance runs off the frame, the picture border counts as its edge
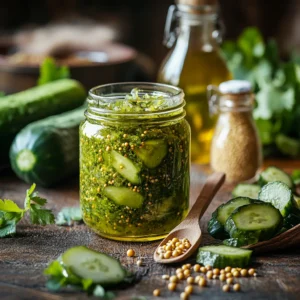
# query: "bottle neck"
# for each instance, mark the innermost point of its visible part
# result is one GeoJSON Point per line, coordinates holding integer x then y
{"type": "Point", "coordinates": [236, 103]}
{"type": "Point", "coordinates": [198, 31]}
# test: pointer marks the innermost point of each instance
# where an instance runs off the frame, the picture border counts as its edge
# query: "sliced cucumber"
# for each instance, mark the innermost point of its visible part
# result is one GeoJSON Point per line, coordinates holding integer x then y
{"type": "Point", "coordinates": [279, 195]}
{"type": "Point", "coordinates": [124, 196]}
{"type": "Point", "coordinates": [222, 256]}
{"type": "Point", "coordinates": [275, 174]}
{"type": "Point", "coordinates": [124, 166]}
{"type": "Point", "coordinates": [296, 177]}
{"type": "Point", "coordinates": [246, 190]}
{"type": "Point", "coordinates": [221, 214]}
{"type": "Point", "coordinates": [89, 264]}
{"type": "Point", "coordinates": [255, 221]}
{"type": "Point", "coordinates": [287, 145]}
{"type": "Point", "coordinates": [233, 242]}
{"type": "Point", "coordinates": [152, 153]}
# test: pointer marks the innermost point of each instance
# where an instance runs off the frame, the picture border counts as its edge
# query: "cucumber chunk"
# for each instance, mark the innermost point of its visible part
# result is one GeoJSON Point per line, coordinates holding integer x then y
{"type": "Point", "coordinates": [291, 220]}
{"type": "Point", "coordinates": [152, 153]}
{"type": "Point", "coordinates": [296, 202]}
{"type": "Point", "coordinates": [275, 174]}
{"type": "Point", "coordinates": [124, 166]}
{"type": "Point", "coordinates": [246, 190]}
{"type": "Point", "coordinates": [254, 222]}
{"type": "Point", "coordinates": [233, 242]}
{"type": "Point", "coordinates": [89, 264]}
{"type": "Point", "coordinates": [222, 256]}
{"type": "Point", "coordinates": [221, 214]}
{"type": "Point", "coordinates": [279, 195]}
{"type": "Point", "coordinates": [124, 196]}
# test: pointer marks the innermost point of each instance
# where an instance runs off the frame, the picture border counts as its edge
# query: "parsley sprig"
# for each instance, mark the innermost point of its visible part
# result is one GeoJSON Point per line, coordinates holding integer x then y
{"type": "Point", "coordinates": [11, 213]}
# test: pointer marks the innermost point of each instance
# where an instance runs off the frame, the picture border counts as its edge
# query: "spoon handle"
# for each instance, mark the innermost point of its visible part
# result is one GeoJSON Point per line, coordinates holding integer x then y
{"type": "Point", "coordinates": [209, 190]}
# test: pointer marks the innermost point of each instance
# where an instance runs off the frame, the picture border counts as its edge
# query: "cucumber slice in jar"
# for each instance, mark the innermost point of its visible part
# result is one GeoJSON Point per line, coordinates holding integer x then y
{"type": "Point", "coordinates": [152, 153]}
{"type": "Point", "coordinates": [246, 190]}
{"type": "Point", "coordinates": [89, 264]}
{"type": "Point", "coordinates": [275, 174]}
{"type": "Point", "coordinates": [124, 196]}
{"type": "Point", "coordinates": [124, 166]}
{"type": "Point", "coordinates": [254, 222]}
{"type": "Point", "coordinates": [279, 195]}
{"type": "Point", "coordinates": [222, 256]}
{"type": "Point", "coordinates": [221, 214]}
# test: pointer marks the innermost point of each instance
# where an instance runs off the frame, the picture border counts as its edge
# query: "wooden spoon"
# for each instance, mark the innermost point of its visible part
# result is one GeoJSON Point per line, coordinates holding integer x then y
{"type": "Point", "coordinates": [284, 240]}
{"type": "Point", "coordinates": [190, 227]}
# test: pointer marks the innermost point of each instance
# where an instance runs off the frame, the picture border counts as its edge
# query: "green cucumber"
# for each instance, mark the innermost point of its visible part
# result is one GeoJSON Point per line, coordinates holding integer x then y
{"type": "Point", "coordinates": [20, 109]}
{"type": "Point", "coordinates": [292, 219]}
{"type": "Point", "coordinates": [89, 264]}
{"type": "Point", "coordinates": [296, 202]}
{"type": "Point", "coordinates": [124, 196]}
{"type": "Point", "coordinates": [221, 214]}
{"type": "Point", "coordinates": [287, 145]}
{"type": "Point", "coordinates": [233, 242]}
{"type": "Point", "coordinates": [152, 153]}
{"type": "Point", "coordinates": [124, 166]}
{"type": "Point", "coordinates": [246, 190]}
{"type": "Point", "coordinates": [275, 174]}
{"type": "Point", "coordinates": [47, 151]}
{"type": "Point", "coordinates": [254, 222]}
{"type": "Point", "coordinates": [222, 256]}
{"type": "Point", "coordinates": [279, 195]}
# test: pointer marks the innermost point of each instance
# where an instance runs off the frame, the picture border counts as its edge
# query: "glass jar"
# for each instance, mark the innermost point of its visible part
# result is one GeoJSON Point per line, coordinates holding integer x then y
{"type": "Point", "coordinates": [236, 148]}
{"type": "Point", "coordinates": [193, 63]}
{"type": "Point", "coordinates": [134, 161]}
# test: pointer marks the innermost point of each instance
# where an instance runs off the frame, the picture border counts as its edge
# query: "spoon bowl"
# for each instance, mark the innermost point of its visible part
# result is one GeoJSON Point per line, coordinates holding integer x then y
{"type": "Point", "coordinates": [190, 227]}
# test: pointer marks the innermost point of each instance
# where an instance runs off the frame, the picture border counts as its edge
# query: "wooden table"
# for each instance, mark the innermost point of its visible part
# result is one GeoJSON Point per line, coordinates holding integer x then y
{"type": "Point", "coordinates": [24, 257]}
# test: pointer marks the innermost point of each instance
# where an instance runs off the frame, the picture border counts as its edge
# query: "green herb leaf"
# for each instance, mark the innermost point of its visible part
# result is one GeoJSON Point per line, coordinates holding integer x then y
{"type": "Point", "coordinates": [10, 206]}
{"type": "Point", "coordinates": [50, 72]}
{"type": "Point", "coordinates": [8, 222]}
{"type": "Point", "coordinates": [41, 216]}
{"type": "Point", "coordinates": [68, 215]}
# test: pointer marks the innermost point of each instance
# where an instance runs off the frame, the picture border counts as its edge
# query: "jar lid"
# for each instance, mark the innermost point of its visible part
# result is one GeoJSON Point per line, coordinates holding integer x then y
{"type": "Point", "coordinates": [235, 87]}
{"type": "Point", "coordinates": [197, 2]}
{"type": "Point", "coordinates": [197, 6]}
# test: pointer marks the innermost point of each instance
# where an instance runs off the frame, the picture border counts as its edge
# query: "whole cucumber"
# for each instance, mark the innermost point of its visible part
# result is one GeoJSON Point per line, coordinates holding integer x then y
{"type": "Point", "coordinates": [18, 110]}
{"type": "Point", "coordinates": [47, 151]}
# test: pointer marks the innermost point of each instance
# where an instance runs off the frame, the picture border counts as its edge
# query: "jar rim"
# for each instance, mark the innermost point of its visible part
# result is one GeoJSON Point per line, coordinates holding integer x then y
{"type": "Point", "coordinates": [107, 99]}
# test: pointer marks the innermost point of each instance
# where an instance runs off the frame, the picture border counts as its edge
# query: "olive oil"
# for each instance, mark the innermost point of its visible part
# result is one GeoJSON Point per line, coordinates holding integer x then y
{"type": "Point", "coordinates": [194, 63]}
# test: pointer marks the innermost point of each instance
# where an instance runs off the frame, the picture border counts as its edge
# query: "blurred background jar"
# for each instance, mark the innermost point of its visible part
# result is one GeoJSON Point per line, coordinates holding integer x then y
{"type": "Point", "coordinates": [193, 63]}
{"type": "Point", "coordinates": [236, 148]}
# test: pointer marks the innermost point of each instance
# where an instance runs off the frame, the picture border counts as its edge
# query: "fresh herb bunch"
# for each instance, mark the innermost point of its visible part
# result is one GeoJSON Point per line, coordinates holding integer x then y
{"type": "Point", "coordinates": [11, 213]}
{"type": "Point", "coordinates": [277, 88]}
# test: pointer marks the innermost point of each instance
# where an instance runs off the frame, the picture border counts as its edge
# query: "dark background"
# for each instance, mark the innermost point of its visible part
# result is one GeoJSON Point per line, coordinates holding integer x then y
{"type": "Point", "coordinates": [141, 23]}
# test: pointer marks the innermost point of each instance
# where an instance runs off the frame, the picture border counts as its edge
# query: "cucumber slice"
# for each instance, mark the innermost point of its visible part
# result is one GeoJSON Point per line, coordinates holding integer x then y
{"type": "Point", "coordinates": [279, 195]}
{"type": "Point", "coordinates": [246, 190]}
{"type": "Point", "coordinates": [233, 242]}
{"type": "Point", "coordinates": [152, 153]}
{"type": "Point", "coordinates": [222, 256]}
{"type": "Point", "coordinates": [124, 196]}
{"type": "Point", "coordinates": [296, 177]}
{"type": "Point", "coordinates": [124, 166]}
{"type": "Point", "coordinates": [275, 174]}
{"type": "Point", "coordinates": [254, 222]}
{"type": "Point", "coordinates": [221, 214]}
{"type": "Point", "coordinates": [89, 264]}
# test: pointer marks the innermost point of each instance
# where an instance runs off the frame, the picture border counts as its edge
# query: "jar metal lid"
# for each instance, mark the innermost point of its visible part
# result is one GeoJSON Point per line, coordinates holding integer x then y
{"type": "Point", "coordinates": [235, 87]}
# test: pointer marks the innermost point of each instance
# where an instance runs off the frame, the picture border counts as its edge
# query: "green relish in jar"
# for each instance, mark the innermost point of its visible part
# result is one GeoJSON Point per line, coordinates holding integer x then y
{"type": "Point", "coordinates": [134, 161]}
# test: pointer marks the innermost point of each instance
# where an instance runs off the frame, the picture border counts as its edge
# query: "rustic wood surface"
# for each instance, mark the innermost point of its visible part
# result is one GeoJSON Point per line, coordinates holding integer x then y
{"type": "Point", "coordinates": [24, 257]}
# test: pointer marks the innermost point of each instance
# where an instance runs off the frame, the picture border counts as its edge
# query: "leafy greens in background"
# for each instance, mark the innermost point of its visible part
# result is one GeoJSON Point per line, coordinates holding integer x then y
{"type": "Point", "coordinates": [50, 72]}
{"type": "Point", "coordinates": [11, 213]}
{"type": "Point", "coordinates": [277, 88]}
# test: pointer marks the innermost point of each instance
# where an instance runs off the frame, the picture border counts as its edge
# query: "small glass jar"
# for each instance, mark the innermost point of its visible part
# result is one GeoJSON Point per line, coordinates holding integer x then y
{"type": "Point", "coordinates": [236, 148]}
{"type": "Point", "coordinates": [134, 161]}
